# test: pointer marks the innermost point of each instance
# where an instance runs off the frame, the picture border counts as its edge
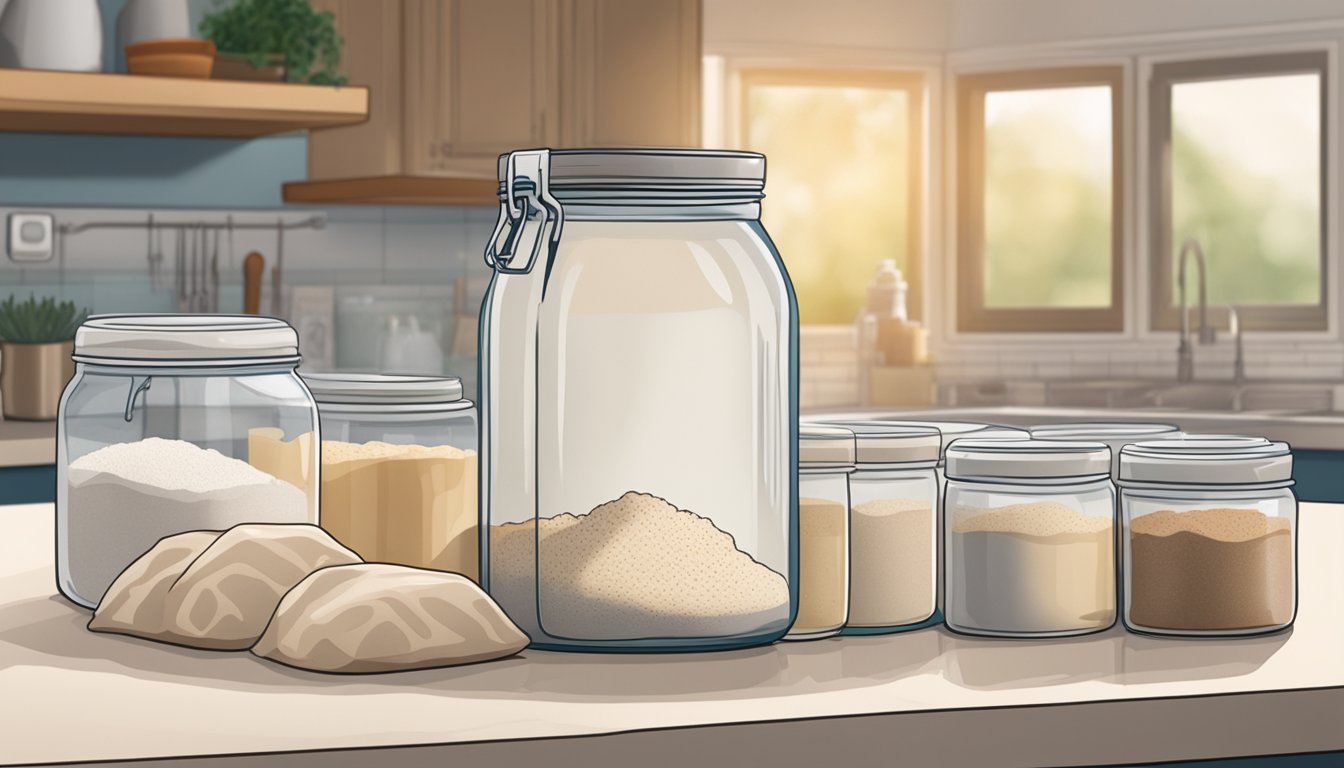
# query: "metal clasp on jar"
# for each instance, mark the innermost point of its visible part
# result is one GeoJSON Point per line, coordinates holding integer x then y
{"type": "Point", "coordinates": [527, 201]}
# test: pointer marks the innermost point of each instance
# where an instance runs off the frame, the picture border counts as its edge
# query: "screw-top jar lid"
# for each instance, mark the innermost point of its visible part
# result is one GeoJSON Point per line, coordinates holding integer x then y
{"type": "Point", "coordinates": [1207, 460]}
{"type": "Point", "coordinates": [183, 340]}
{"type": "Point", "coordinates": [887, 443]}
{"type": "Point", "coordinates": [825, 447]}
{"type": "Point", "coordinates": [382, 388]}
{"type": "Point", "coordinates": [585, 172]}
{"type": "Point", "coordinates": [973, 458]}
{"type": "Point", "coordinates": [955, 430]}
{"type": "Point", "coordinates": [1104, 430]}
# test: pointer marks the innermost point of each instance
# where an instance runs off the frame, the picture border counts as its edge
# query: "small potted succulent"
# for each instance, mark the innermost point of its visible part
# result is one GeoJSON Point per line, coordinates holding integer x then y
{"type": "Point", "coordinates": [36, 342]}
{"type": "Point", "coordinates": [274, 40]}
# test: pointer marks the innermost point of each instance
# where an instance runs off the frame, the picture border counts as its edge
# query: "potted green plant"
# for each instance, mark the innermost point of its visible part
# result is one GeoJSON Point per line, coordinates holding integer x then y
{"type": "Point", "coordinates": [36, 344]}
{"type": "Point", "coordinates": [274, 40]}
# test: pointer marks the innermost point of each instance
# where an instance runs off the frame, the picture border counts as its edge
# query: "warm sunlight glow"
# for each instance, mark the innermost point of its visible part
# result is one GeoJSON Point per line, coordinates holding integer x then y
{"type": "Point", "coordinates": [837, 186]}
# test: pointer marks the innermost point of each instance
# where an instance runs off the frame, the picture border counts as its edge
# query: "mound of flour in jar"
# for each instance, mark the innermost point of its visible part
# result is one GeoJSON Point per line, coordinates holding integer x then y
{"type": "Point", "coordinates": [632, 568]}
{"type": "Point", "coordinates": [124, 497]}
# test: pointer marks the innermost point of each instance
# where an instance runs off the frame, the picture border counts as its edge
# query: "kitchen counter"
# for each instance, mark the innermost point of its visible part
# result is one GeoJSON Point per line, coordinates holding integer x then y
{"type": "Point", "coordinates": [929, 697]}
{"type": "Point", "coordinates": [27, 443]}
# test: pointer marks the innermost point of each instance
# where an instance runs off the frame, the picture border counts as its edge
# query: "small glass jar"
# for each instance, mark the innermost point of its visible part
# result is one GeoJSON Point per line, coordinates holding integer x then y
{"type": "Point", "coordinates": [825, 461]}
{"type": "Point", "coordinates": [399, 468]}
{"type": "Point", "coordinates": [893, 496]}
{"type": "Point", "coordinates": [1030, 538]}
{"type": "Point", "coordinates": [1115, 434]}
{"type": "Point", "coordinates": [1210, 536]}
{"type": "Point", "coordinates": [176, 423]}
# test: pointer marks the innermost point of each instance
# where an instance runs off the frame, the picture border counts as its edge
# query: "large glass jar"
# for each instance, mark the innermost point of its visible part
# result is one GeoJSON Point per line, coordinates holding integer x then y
{"type": "Point", "coordinates": [825, 461]}
{"type": "Point", "coordinates": [639, 403]}
{"type": "Point", "coordinates": [893, 527]}
{"type": "Point", "coordinates": [175, 423]}
{"type": "Point", "coordinates": [1210, 536]}
{"type": "Point", "coordinates": [1030, 538]}
{"type": "Point", "coordinates": [399, 468]}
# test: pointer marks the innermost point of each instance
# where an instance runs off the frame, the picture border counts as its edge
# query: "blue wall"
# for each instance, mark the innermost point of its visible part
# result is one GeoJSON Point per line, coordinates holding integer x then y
{"type": "Point", "coordinates": [137, 171]}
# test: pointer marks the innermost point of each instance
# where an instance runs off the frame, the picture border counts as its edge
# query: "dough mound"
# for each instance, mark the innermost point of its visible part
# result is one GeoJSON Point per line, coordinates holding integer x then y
{"type": "Point", "coordinates": [385, 618]}
{"type": "Point", "coordinates": [217, 591]}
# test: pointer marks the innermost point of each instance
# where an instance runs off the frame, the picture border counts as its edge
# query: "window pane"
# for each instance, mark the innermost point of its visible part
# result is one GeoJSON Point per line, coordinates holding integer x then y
{"type": "Point", "coordinates": [837, 185]}
{"type": "Point", "coordinates": [1048, 198]}
{"type": "Point", "coordinates": [1246, 183]}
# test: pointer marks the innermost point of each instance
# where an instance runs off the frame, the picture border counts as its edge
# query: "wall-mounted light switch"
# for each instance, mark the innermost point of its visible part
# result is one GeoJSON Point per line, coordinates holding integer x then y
{"type": "Point", "coordinates": [31, 236]}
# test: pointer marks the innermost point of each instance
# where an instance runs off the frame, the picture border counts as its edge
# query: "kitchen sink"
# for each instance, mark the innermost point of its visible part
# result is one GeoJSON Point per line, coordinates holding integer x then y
{"type": "Point", "coordinates": [1265, 396]}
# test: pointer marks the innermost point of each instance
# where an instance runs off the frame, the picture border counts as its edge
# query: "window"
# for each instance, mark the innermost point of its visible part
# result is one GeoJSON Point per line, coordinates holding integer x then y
{"type": "Point", "coordinates": [1039, 238]}
{"type": "Point", "coordinates": [843, 180]}
{"type": "Point", "coordinates": [1236, 164]}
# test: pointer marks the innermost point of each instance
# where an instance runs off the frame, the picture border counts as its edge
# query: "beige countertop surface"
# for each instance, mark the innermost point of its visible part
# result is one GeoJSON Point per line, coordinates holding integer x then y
{"type": "Point", "coordinates": [25, 443]}
{"type": "Point", "coordinates": [927, 697]}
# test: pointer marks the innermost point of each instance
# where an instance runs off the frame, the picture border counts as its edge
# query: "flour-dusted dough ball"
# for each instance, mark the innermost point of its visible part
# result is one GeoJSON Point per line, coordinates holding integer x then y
{"type": "Point", "coordinates": [386, 618]}
{"type": "Point", "coordinates": [216, 593]}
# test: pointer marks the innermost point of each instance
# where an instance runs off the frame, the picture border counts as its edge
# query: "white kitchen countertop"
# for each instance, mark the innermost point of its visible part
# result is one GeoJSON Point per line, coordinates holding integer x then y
{"type": "Point", "coordinates": [27, 443]}
{"type": "Point", "coordinates": [928, 697]}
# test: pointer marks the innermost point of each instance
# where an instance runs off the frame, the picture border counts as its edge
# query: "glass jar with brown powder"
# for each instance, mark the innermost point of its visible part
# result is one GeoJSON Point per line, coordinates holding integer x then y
{"type": "Point", "coordinates": [1030, 538]}
{"type": "Point", "coordinates": [399, 468]}
{"type": "Point", "coordinates": [825, 461]}
{"type": "Point", "coordinates": [893, 527]}
{"type": "Point", "coordinates": [1210, 536]}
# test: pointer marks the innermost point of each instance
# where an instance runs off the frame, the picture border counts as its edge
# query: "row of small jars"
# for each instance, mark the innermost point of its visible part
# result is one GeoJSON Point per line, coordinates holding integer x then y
{"type": "Point", "coordinates": [1028, 531]}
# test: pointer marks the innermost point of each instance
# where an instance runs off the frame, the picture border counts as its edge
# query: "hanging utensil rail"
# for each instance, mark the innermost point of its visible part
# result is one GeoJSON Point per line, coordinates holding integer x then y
{"type": "Point", "coordinates": [311, 222]}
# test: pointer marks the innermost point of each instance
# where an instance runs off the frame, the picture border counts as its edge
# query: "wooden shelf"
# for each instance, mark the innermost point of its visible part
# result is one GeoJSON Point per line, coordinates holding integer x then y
{"type": "Point", "coordinates": [85, 102]}
{"type": "Point", "coordinates": [395, 190]}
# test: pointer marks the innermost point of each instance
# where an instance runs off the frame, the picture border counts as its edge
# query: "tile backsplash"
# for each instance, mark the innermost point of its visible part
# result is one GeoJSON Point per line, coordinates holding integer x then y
{"type": "Point", "coordinates": [377, 264]}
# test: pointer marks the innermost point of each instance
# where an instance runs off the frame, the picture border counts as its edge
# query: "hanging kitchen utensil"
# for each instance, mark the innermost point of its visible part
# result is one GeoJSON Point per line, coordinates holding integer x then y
{"type": "Point", "coordinates": [279, 266]}
{"type": "Point", "coordinates": [214, 276]}
{"type": "Point", "coordinates": [253, 267]}
{"type": "Point", "coordinates": [180, 270]}
{"type": "Point", "coordinates": [203, 271]}
{"type": "Point", "coordinates": [149, 254]}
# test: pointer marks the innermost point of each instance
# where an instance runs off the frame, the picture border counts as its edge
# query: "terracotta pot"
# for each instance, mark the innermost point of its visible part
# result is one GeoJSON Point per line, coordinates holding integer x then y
{"type": "Point", "coordinates": [235, 66]}
{"type": "Point", "coordinates": [32, 377]}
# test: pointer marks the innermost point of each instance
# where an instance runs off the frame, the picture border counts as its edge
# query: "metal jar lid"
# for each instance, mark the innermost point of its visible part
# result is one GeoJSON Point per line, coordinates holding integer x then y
{"type": "Point", "coordinates": [825, 447]}
{"type": "Point", "coordinates": [382, 389]}
{"type": "Point", "coordinates": [182, 340]}
{"type": "Point", "coordinates": [974, 458]}
{"type": "Point", "coordinates": [1207, 460]}
{"type": "Point", "coordinates": [586, 172]}
{"type": "Point", "coordinates": [878, 442]}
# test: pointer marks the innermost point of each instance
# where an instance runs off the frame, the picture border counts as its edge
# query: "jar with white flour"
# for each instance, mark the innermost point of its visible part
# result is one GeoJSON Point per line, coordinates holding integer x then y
{"type": "Point", "coordinates": [177, 423]}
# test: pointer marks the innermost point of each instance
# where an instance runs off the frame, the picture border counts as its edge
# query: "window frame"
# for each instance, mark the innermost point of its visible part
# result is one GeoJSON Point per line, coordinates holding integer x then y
{"type": "Point", "coordinates": [972, 316]}
{"type": "Point", "coordinates": [914, 83]}
{"type": "Point", "coordinates": [1162, 315]}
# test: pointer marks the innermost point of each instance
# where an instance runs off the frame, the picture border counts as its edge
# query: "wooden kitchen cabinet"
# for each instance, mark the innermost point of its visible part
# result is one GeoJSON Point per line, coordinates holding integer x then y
{"type": "Point", "coordinates": [631, 73]}
{"type": "Point", "coordinates": [454, 83]}
{"type": "Point", "coordinates": [479, 80]}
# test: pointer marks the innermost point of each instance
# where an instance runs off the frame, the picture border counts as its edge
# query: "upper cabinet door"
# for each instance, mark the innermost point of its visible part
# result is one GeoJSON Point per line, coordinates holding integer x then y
{"type": "Point", "coordinates": [479, 81]}
{"type": "Point", "coordinates": [631, 73]}
{"type": "Point", "coordinates": [371, 57]}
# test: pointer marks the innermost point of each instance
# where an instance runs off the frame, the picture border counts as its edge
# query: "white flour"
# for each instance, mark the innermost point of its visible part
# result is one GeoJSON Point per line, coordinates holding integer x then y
{"type": "Point", "coordinates": [125, 497]}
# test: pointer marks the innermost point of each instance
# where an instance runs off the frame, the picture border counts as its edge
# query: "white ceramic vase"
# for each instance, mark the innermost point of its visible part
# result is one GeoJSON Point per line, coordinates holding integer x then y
{"type": "Point", "coordinates": [150, 20]}
{"type": "Point", "coordinates": [52, 34]}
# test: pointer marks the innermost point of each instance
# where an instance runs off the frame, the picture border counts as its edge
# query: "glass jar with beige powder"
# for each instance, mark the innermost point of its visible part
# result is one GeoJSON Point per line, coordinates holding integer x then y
{"type": "Point", "coordinates": [399, 468]}
{"type": "Point", "coordinates": [893, 527]}
{"type": "Point", "coordinates": [1030, 538]}
{"type": "Point", "coordinates": [1210, 536]}
{"type": "Point", "coordinates": [825, 461]}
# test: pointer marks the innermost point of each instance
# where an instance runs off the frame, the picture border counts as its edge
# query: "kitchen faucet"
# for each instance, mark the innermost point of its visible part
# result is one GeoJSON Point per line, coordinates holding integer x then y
{"type": "Point", "coordinates": [1185, 359]}
{"type": "Point", "coordinates": [1239, 362]}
